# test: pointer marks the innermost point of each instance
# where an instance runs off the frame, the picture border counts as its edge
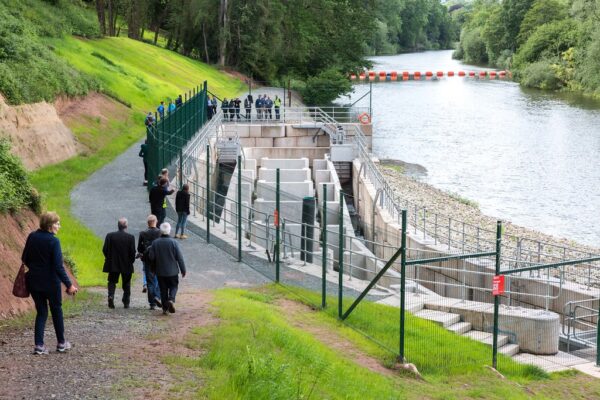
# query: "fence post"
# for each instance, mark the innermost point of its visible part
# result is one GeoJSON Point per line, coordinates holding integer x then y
{"type": "Point", "coordinates": [324, 246]}
{"type": "Point", "coordinates": [341, 255]}
{"type": "Point", "coordinates": [208, 193]}
{"type": "Point", "coordinates": [239, 208]}
{"type": "Point", "coordinates": [402, 287]}
{"type": "Point", "coordinates": [180, 167]}
{"type": "Point", "coordinates": [497, 297]}
{"type": "Point", "coordinates": [598, 338]}
{"type": "Point", "coordinates": [277, 226]}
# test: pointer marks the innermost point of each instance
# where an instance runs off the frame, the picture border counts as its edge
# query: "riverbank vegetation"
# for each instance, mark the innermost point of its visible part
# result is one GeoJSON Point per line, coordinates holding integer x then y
{"type": "Point", "coordinates": [548, 44]}
{"type": "Point", "coordinates": [16, 191]}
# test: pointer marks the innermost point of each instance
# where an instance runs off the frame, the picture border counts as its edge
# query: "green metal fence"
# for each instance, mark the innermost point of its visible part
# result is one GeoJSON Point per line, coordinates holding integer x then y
{"type": "Point", "coordinates": [168, 135]}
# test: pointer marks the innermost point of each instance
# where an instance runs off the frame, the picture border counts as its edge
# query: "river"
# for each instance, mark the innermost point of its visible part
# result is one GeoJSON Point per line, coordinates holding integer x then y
{"type": "Point", "coordinates": [526, 156]}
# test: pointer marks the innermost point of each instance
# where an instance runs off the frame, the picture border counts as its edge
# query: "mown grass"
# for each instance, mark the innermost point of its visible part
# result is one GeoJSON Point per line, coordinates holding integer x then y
{"type": "Point", "coordinates": [141, 76]}
{"type": "Point", "coordinates": [257, 351]}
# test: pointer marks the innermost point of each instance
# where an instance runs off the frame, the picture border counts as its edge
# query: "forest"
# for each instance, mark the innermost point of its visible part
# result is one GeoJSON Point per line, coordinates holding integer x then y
{"type": "Point", "coordinates": [547, 44]}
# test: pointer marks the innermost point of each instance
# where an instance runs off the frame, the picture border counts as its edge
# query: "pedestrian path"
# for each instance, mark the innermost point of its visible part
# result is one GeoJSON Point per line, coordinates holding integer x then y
{"type": "Point", "coordinates": [116, 191]}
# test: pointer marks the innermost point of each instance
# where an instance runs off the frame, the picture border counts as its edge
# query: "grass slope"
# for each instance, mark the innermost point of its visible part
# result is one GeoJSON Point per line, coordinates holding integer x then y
{"type": "Point", "coordinates": [141, 75]}
{"type": "Point", "coordinates": [258, 352]}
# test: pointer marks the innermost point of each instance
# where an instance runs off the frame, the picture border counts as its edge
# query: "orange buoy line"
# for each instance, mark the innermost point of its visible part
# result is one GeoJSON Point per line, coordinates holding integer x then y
{"type": "Point", "coordinates": [393, 76]}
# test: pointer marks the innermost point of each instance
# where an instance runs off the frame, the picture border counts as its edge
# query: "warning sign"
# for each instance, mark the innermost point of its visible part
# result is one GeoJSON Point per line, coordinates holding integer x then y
{"type": "Point", "coordinates": [276, 218]}
{"type": "Point", "coordinates": [498, 285]}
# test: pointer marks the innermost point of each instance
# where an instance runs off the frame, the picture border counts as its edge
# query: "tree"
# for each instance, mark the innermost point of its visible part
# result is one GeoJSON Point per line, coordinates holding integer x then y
{"type": "Point", "coordinates": [540, 13]}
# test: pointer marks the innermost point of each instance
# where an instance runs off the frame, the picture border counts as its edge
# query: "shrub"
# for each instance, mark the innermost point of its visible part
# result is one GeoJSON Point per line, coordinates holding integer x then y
{"type": "Point", "coordinates": [15, 190]}
{"type": "Point", "coordinates": [325, 87]}
{"type": "Point", "coordinates": [540, 75]}
{"type": "Point", "coordinates": [474, 49]}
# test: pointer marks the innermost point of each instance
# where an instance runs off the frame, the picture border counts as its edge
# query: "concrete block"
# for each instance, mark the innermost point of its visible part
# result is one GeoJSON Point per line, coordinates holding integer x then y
{"type": "Point", "coordinates": [438, 317]}
{"type": "Point", "coordinates": [323, 141]}
{"type": "Point", "coordinates": [284, 142]}
{"type": "Point", "coordinates": [274, 163]}
{"type": "Point", "coordinates": [290, 131]}
{"type": "Point", "coordinates": [460, 327]}
{"type": "Point", "coordinates": [322, 176]}
{"type": "Point", "coordinates": [285, 175]}
{"type": "Point", "coordinates": [319, 164]}
{"type": "Point", "coordinates": [264, 142]}
{"type": "Point", "coordinates": [248, 142]}
{"type": "Point", "coordinates": [343, 152]}
{"type": "Point", "coordinates": [243, 131]}
{"type": "Point", "coordinates": [289, 209]}
{"type": "Point", "coordinates": [273, 131]}
{"type": "Point", "coordinates": [289, 190]}
{"type": "Point", "coordinates": [306, 141]}
{"type": "Point", "coordinates": [255, 131]}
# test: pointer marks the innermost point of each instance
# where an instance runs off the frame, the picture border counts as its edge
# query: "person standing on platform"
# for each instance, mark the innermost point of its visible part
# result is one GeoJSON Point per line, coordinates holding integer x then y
{"type": "Point", "coordinates": [277, 104]}
{"type": "Point", "coordinates": [269, 107]}
{"type": "Point", "coordinates": [209, 109]}
{"type": "Point", "coordinates": [119, 256]}
{"type": "Point", "coordinates": [248, 107]}
{"type": "Point", "coordinates": [172, 107]}
{"type": "Point", "coordinates": [161, 109]}
{"type": "Point", "coordinates": [167, 258]}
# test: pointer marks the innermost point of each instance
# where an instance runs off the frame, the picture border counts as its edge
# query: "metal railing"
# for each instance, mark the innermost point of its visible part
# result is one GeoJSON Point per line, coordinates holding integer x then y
{"type": "Point", "coordinates": [580, 323]}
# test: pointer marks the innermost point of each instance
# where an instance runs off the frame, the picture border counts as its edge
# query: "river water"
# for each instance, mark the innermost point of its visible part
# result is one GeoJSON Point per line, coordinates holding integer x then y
{"type": "Point", "coordinates": [523, 155]}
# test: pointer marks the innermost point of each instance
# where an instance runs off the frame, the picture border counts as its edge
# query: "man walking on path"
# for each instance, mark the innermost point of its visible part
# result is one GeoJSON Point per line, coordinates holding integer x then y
{"type": "Point", "coordinates": [119, 255]}
{"type": "Point", "coordinates": [144, 154]}
{"type": "Point", "coordinates": [145, 241]}
{"type": "Point", "coordinates": [158, 201]}
{"type": "Point", "coordinates": [182, 206]}
{"type": "Point", "coordinates": [167, 259]}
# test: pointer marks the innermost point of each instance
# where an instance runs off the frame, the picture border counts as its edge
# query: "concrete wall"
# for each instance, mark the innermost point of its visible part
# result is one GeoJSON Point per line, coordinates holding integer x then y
{"type": "Point", "coordinates": [285, 175]}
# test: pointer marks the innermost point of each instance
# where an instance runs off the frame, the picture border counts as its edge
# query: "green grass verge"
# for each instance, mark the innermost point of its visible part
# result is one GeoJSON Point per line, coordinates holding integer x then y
{"type": "Point", "coordinates": [257, 352]}
{"type": "Point", "coordinates": [141, 76]}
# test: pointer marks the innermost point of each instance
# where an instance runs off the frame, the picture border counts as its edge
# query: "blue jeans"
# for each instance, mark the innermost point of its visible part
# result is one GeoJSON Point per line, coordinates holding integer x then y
{"type": "Point", "coordinates": [41, 300]}
{"type": "Point", "coordinates": [152, 285]}
{"type": "Point", "coordinates": [181, 222]}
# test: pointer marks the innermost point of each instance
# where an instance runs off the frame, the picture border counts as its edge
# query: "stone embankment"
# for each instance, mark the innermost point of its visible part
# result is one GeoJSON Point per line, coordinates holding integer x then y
{"type": "Point", "coordinates": [450, 205]}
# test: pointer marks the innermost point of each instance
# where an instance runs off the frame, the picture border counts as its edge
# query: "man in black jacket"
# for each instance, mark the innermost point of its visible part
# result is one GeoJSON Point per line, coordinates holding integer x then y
{"type": "Point", "coordinates": [119, 255]}
{"type": "Point", "coordinates": [158, 201]}
{"type": "Point", "coordinates": [144, 242]}
{"type": "Point", "coordinates": [168, 260]}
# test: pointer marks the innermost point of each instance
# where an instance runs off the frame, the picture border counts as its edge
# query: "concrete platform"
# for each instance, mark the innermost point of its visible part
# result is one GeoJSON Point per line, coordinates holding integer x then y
{"type": "Point", "coordinates": [486, 337]}
{"type": "Point", "coordinates": [439, 317]}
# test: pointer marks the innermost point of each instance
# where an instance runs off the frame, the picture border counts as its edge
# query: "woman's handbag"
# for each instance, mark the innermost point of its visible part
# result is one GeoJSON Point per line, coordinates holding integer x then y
{"type": "Point", "coordinates": [20, 286]}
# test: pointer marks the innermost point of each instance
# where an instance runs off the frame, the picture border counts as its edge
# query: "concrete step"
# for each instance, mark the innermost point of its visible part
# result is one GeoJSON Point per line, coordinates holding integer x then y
{"type": "Point", "coordinates": [439, 317]}
{"type": "Point", "coordinates": [460, 327]}
{"type": "Point", "coordinates": [509, 349]}
{"type": "Point", "coordinates": [486, 337]}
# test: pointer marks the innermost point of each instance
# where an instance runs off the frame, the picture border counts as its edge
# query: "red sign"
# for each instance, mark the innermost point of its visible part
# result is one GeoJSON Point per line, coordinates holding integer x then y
{"type": "Point", "coordinates": [276, 218]}
{"type": "Point", "coordinates": [498, 285]}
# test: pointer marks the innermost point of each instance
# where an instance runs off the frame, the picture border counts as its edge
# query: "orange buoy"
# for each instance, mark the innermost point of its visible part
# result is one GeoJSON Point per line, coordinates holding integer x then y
{"type": "Point", "coordinates": [482, 74]}
{"type": "Point", "coordinates": [394, 75]}
{"type": "Point", "coordinates": [361, 76]}
{"type": "Point", "coordinates": [371, 75]}
{"type": "Point", "coordinates": [492, 74]}
{"type": "Point", "coordinates": [461, 73]}
{"type": "Point", "coordinates": [471, 73]}
{"type": "Point", "coordinates": [382, 75]}
{"type": "Point", "coordinates": [364, 118]}
{"type": "Point", "coordinates": [440, 74]}
{"type": "Point", "coordinates": [450, 73]}
{"type": "Point", "coordinates": [417, 75]}
{"type": "Point", "coordinates": [428, 73]}
{"type": "Point", "coordinates": [502, 74]}
{"type": "Point", "coordinates": [353, 77]}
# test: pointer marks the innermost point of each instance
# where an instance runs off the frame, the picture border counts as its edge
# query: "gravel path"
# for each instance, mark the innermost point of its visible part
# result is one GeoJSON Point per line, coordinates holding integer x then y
{"type": "Point", "coordinates": [119, 349]}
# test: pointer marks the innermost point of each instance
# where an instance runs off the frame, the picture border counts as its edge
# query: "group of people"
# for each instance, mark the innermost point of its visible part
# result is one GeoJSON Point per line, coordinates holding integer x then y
{"type": "Point", "coordinates": [162, 109]}
{"type": "Point", "coordinates": [160, 254]}
{"type": "Point", "coordinates": [264, 107]}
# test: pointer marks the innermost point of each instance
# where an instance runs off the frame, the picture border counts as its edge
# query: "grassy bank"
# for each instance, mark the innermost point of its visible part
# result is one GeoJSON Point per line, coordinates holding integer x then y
{"type": "Point", "coordinates": [262, 348]}
{"type": "Point", "coordinates": [140, 75]}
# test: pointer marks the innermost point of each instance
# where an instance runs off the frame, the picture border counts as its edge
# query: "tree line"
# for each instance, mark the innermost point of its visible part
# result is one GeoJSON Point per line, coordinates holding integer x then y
{"type": "Point", "coordinates": [314, 42]}
{"type": "Point", "coordinates": [548, 44]}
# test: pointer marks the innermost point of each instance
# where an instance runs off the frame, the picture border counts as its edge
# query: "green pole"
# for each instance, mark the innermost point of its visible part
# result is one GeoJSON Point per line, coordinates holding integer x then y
{"type": "Point", "coordinates": [598, 338]}
{"type": "Point", "coordinates": [208, 193]}
{"type": "Point", "coordinates": [180, 168]}
{"type": "Point", "coordinates": [239, 208]}
{"type": "Point", "coordinates": [324, 244]}
{"type": "Point", "coordinates": [496, 298]}
{"type": "Point", "coordinates": [277, 227]}
{"type": "Point", "coordinates": [402, 288]}
{"type": "Point", "coordinates": [371, 99]}
{"type": "Point", "coordinates": [341, 255]}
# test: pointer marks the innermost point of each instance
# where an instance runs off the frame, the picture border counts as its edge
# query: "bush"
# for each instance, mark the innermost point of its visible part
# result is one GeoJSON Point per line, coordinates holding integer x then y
{"type": "Point", "coordinates": [325, 88]}
{"type": "Point", "coordinates": [15, 190]}
{"type": "Point", "coordinates": [474, 49]}
{"type": "Point", "coordinates": [540, 75]}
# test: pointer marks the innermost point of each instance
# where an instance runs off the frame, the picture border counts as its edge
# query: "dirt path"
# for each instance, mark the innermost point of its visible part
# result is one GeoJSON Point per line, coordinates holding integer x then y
{"type": "Point", "coordinates": [117, 354]}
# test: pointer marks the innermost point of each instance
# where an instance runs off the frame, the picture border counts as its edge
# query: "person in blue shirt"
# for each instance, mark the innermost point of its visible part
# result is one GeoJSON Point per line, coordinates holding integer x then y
{"type": "Point", "coordinates": [161, 109]}
{"type": "Point", "coordinates": [171, 106]}
{"type": "Point", "coordinates": [43, 257]}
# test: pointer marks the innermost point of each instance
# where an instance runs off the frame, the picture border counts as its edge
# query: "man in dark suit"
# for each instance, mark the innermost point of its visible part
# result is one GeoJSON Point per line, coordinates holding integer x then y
{"type": "Point", "coordinates": [119, 255]}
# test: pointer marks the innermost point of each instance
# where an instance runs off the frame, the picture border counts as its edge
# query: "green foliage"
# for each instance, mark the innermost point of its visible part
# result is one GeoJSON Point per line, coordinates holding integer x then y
{"type": "Point", "coordinates": [547, 41]}
{"type": "Point", "coordinates": [541, 12]}
{"type": "Point", "coordinates": [540, 75]}
{"type": "Point", "coordinates": [473, 47]}
{"type": "Point", "coordinates": [15, 190]}
{"type": "Point", "coordinates": [29, 69]}
{"type": "Point", "coordinates": [325, 87]}
{"type": "Point", "coordinates": [589, 68]}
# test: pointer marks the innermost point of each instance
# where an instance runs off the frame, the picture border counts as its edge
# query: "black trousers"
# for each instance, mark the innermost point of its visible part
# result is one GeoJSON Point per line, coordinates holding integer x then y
{"type": "Point", "coordinates": [168, 289]}
{"type": "Point", "coordinates": [113, 279]}
{"type": "Point", "coordinates": [52, 297]}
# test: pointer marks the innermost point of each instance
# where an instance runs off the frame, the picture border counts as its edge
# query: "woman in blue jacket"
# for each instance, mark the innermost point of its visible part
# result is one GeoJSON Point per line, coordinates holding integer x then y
{"type": "Point", "coordinates": [43, 257]}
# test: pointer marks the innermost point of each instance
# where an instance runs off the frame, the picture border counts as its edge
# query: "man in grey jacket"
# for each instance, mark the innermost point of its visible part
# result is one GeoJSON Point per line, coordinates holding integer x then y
{"type": "Point", "coordinates": [165, 256]}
